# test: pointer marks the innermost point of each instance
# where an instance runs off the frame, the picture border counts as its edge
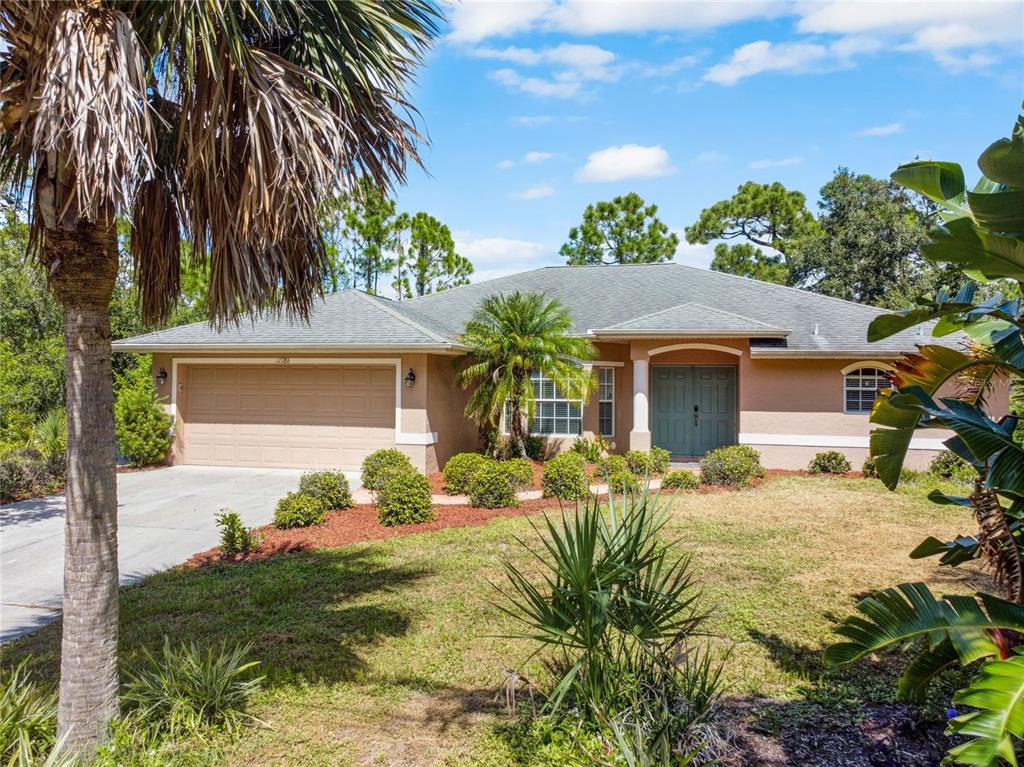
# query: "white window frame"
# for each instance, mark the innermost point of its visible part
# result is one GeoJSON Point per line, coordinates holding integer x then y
{"type": "Point", "coordinates": [611, 400]}
{"type": "Point", "coordinates": [537, 401]}
{"type": "Point", "coordinates": [858, 372]}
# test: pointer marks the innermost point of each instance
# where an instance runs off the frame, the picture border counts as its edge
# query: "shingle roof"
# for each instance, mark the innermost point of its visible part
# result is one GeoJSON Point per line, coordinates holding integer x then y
{"type": "Point", "coordinates": [692, 318]}
{"type": "Point", "coordinates": [644, 297]}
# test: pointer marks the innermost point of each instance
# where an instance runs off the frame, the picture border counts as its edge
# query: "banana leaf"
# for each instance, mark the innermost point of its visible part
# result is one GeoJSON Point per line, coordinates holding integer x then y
{"type": "Point", "coordinates": [997, 692]}
{"type": "Point", "coordinates": [966, 245]}
{"type": "Point", "coordinates": [886, 325]}
{"type": "Point", "coordinates": [962, 549]}
{"type": "Point", "coordinates": [1003, 161]}
{"type": "Point", "coordinates": [941, 182]}
{"type": "Point", "coordinates": [999, 211]}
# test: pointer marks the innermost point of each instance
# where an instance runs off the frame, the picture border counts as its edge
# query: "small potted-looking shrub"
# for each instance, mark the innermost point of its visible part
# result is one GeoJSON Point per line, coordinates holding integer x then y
{"type": "Point", "coordinates": [459, 469]}
{"type": "Point", "coordinates": [404, 499]}
{"type": "Point", "coordinates": [235, 538]}
{"type": "Point", "coordinates": [330, 487]}
{"type": "Point", "coordinates": [519, 471]}
{"type": "Point", "coordinates": [611, 464]}
{"type": "Point", "coordinates": [381, 465]}
{"type": "Point", "coordinates": [733, 466]}
{"type": "Point", "coordinates": [680, 479]}
{"type": "Point", "coordinates": [623, 482]}
{"type": "Point", "coordinates": [829, 462]}
{"type": "Point", "coordinates": [639, 462]}
{"type": "Point", "coordinates": [492, 486]}
{"type": "Point", "coordinates": [565, 478]}
{"type": "Point", "coordinates": [299, 510]}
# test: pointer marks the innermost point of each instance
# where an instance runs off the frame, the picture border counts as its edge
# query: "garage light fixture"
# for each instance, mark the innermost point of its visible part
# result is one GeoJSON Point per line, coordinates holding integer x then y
{"type": "Point", "coordinates": [410, 379]}
{"type": "Point", "coordinates": [161, 377]}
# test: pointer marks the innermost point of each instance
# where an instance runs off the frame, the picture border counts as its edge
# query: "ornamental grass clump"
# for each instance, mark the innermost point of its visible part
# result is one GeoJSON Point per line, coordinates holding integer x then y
{"type": "Point", "coordinates": [829, 462]}
{"type": "Point", "coordinates": [299, 510]}
{"type": "Point", "coordinates": [381, 465]}
{"type": "Point", "coordinates": [734, 466]}
{"type": "Point", "coordinates": [459, 469]}
{"type": "Point", "coordinates": [329, 487]}
{"type": "Point", "coordinates": [404, 499]}
{"type": "Point", "coordinates": [617, 612]}
{"type": "Point", "coordinates": [28, 716]}
{"type": "Point", "coordinates": [185, 690]}
{"type": "Point", "coordinates": [565, 478]}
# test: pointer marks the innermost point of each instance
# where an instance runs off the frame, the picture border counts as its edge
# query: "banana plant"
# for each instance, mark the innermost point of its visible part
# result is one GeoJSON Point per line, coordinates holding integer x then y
{"type": "Point", "coordinates": [980, 231]}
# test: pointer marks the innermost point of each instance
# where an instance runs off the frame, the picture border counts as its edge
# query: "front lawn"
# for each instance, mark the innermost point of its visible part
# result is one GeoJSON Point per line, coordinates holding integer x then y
{"type": "Point", "coordinates": [386, 652]}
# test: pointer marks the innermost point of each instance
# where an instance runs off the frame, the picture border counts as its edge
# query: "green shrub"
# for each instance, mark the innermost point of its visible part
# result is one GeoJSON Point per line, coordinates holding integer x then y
{"type": "Point", "coordinates": [28, 715]}
{"type": "Point", "coordinates": [459, 469]}
{"type": "Point", "coordinates": [733, 466]}
{"type": "Point", "coordinates": [50, 434]}
{"type": "Point", "coordinates": [660, 460]}
{"type": "Point", "coordinates": [680, 479]}
{"type": "Point", "coordinates": [829, 462]}
{"type": "Point", "coordinates": [611, 464]}
{"type": "Point", "coordinates": [536, 447]}
{"type": "Point", "coordinates": [590, 449]}
{"type": "Point", "coordinates": [639, 462]}
{"type": "Point", "coordinates": [381, 465]}
{"type": "Point", "coordinates": [519, 470]}
{"type": "Point", "coordinates": [492, 486]}
{"type": "Point", "coordinates": [623, 482]}
{"type": "Point", "coordinates": [912, 476]}
{"type": "Point", "coordinates": [404, 499]}
{"type": "Point", "coordinates": [236, 538]}
{"type": "Point", "coordinates": [949, 465]}
{"type": "Point", "coordinates": [25, 473]}
{"type": "Point", "coordinates": [868, 468]}
{"type": "Point", "coordinates": [299, 510]}
{"type": "Point", "coordinates": [185, 690]}
{"type": "Point", "coordinates": [329, 487]}
{"type": "Point", "coordinates": [141, 425]}
{"type": "Point", "coordinates": [564, 477]}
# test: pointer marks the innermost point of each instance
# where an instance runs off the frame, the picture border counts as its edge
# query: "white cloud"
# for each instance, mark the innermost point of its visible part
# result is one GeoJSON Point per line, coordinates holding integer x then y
{"type": "Point", "coordinates": [763, 56]}
{"type": "Point", "coordinates": [616, 163]}
{"type": "Point", "coordinates": [781, 163]}
{"type": "Point", "coordinates": [711, 157]}
{"type": "Point", "coordinates": [474, 21]}
{"type": "Point", "coordinates": [534, 193]}
{"type": "Point", "coordinates": [532, 121]}
{"type": "Point", "coordinates": [670, 67]}
{"type": "Point", "coordinates": [534, 157]}
{"type": "Point", "coordinates": [588, 62]}
{"type": "Point", "coordinates": [693, 255]}
{"type": "Point", "coordinates": [536, 85]}
{"type": "Point", "coordinates": [506, 164]}
{"type": "Point", "coordinates": [498, 256]}
{"type": "Point", "coordinates": [882, 130]}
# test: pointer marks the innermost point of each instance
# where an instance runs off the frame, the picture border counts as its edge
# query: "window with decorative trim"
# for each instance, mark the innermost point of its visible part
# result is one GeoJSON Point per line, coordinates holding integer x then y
{"type": "Point", "coordinates": [555, 415]}
{"type": "Point", "coordinates": [861, 387]}
{"type": "Point", "coordinates": [606, 402]}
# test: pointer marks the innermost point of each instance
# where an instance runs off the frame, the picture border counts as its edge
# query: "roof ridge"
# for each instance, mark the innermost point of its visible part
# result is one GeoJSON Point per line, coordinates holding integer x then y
{"type": "Point", "coordinates": [377, 302]}
{"type": "Point", "coordinates": [689, 303]}
{"type": "Point", "coordinates": [454, 288]}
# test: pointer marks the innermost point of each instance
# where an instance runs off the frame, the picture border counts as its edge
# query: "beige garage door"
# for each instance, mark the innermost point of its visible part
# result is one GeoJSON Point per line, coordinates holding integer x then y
{"type": "Point", "coordinates": [287, 415]}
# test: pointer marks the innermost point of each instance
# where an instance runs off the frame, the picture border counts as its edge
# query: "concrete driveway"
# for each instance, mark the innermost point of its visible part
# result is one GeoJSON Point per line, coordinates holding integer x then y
{"type": "Point", "coordinates": [164, 515]}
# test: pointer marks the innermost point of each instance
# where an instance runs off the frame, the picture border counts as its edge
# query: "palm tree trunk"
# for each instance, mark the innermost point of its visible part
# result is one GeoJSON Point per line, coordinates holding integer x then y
{"type": "Point", "coordinates": [516, 431]}
{"type": "Point", "coordinates": [83, 268]}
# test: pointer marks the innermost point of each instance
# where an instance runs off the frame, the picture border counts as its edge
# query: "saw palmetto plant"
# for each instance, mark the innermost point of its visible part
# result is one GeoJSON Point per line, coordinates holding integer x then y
{"type": "Point", "coordinates": [982, 233]}
{"type": "Point", "coordinates": [215, 124]}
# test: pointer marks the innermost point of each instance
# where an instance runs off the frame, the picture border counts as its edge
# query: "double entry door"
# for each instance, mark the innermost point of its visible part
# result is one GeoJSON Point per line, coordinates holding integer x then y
{"type": "Point", "coordinates": [693, 407]}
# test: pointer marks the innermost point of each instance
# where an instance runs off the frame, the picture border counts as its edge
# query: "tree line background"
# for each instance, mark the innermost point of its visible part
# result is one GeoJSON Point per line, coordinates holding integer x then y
{"type": "Point", "coordinates": [861, 244]}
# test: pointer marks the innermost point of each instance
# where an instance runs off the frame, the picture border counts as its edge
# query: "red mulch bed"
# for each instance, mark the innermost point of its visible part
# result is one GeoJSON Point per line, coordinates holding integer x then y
{"type": "Point", "coordinates": [359, 523]}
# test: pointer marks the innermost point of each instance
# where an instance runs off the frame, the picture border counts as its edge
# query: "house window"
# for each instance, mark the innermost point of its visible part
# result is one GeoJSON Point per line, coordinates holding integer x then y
{"type": "Point", "coordinates": [861, 386]}
{"type": "Point", "coordinates": [606, 402]}
{"type": "Point", "coordinates": [554, 414]}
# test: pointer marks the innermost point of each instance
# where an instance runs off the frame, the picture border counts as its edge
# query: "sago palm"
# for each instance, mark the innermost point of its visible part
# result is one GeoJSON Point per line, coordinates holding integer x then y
{"type": "Point", "coordinates": [221, 124]}
{"type": "Point", "coordinates": [510, 337]}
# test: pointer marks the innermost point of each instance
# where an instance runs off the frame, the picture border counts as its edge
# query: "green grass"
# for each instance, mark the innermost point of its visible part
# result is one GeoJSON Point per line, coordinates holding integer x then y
{"type": "Point", "coordinates": [390, 652]}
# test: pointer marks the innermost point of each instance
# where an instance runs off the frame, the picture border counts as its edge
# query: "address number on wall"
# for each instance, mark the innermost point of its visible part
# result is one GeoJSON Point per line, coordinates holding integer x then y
{"type": "Point", "coordinates": [283, 360]}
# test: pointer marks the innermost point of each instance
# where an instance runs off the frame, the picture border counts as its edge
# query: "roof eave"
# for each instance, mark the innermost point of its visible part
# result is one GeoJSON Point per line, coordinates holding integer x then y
{"type": "Point", "coordinates": [688, 333]}
{"type": "Point", "coordinates": [825, 353]}
{"type": "Point", "coordinates": [179, 348]}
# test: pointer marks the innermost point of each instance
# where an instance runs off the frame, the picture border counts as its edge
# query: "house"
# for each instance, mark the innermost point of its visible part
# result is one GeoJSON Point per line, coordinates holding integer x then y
{"type": "Point", "coordinates": [687, 359]}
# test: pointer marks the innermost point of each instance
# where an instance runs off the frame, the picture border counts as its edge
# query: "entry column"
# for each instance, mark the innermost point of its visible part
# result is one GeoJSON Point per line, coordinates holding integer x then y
{"type": "Point", "coordinates": [640, 436]}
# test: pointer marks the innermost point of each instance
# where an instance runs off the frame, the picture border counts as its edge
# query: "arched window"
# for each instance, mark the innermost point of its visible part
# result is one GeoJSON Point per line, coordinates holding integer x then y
{"type": "Point", "coordinates": [860, 388]}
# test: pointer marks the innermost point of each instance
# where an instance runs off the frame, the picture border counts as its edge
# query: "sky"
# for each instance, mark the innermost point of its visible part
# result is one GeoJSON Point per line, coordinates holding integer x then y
{"type": "Point", "coordinates": [536, 109]}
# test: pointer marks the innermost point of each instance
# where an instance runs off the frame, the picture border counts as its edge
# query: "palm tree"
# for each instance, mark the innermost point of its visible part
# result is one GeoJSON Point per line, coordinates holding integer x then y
{"type": "Point", "coordinates": [220, 124]}
{"type": "Point", "coordinates": [510, 337]}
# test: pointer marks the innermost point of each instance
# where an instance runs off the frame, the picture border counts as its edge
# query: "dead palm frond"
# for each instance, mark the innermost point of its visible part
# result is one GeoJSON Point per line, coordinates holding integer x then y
{"type": "Point", "coordinates": [223, 123]}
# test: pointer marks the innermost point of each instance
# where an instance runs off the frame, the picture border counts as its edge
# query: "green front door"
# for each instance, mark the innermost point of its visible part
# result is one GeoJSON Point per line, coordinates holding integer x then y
{"type": "Point", "coordinates": [693, 407]}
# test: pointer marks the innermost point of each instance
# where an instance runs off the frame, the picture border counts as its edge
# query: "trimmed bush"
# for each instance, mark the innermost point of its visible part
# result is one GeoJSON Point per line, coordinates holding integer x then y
{"type": "Point", "coordinates": [141, 425]}
{"type": "Point", "coordinates": [404, 499]}
{"type": "Point", "coordinates": [733, 466]}
{"type": "Point", "coordinates": [492, 486]}
{"type": "Point", "coordinates": [829, 462]}
{"type": "Point", "coordinates": [868, 468]}
{"type": "Point", "coordinates": [948, 465]}
{"type": "Point", "coordinates": [623, 482]}
{"type": "Point", "coordinates": [639, 462]}
{"type": "Point", "coordinates": [660, 460]}
{"type": "Point", "coordinates": [590, 449]}
{"type": "Point", "coordinates": [680, 479]}
{"type": "Point", "coordinates": [519, 470]}
{"type": "Point", "coordinates": [381, 465]}
{"type": "Point", "coordinates": [565, 478]}
{"type": "Point", "coordinates": [299, 510]}
{"type": "Point", "coordinates": [235, 538]}
{"type": "Point", "coordinates": [330, 487]}
{"type": "Point", "coordinates": [459, 469]}
{"type": "Point", "coordinates": [611, 464]}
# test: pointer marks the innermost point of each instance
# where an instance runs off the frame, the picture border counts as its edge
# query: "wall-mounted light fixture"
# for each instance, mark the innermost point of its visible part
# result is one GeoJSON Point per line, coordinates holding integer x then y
{"type": "Point", "coordinates": [410, 379]}
{"type": "Point", "coordinates": [161, 377]}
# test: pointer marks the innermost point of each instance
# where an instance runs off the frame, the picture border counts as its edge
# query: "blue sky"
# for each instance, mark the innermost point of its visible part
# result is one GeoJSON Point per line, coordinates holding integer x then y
{"type": "Point", "coordinates": [535, 109]}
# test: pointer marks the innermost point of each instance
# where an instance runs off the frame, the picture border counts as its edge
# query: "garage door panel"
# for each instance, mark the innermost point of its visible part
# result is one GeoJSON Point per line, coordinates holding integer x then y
{"type": "Point", "coordinates": [317, 417]}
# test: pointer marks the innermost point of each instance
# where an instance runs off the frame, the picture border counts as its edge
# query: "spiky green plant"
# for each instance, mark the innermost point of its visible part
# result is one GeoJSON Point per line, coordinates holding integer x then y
{"type": "Point", "coordinates": [28, 716]}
